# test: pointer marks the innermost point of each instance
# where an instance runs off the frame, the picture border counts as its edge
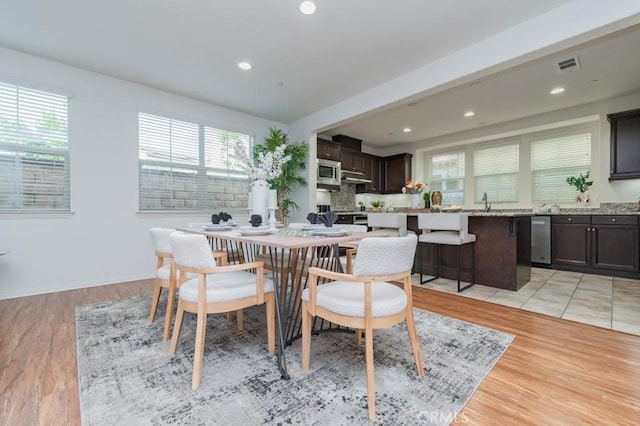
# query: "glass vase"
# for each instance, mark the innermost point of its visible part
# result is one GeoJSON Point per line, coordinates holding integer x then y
{"type": "Point", "coordinates": [416, 201]}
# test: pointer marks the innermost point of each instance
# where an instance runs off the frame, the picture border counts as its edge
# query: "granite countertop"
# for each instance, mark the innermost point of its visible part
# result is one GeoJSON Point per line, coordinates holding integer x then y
{"type": "Point", "coordinates": [355, 212]}
{"type": "Point", "coordinates": [630, 209]}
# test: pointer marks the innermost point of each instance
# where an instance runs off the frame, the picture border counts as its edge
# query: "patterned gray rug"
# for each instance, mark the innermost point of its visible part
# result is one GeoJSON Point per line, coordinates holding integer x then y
{"type": "Point", "coordinates": [127, 375]}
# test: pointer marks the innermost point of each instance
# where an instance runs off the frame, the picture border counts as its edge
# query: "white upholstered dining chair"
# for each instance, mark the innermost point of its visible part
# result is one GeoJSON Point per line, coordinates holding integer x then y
{"type": "Point", "coordinates": [166, 275]}
{"type": "Point", "coordinates": [216, 289]}
{"type": "Point", "coordinates": [365, 300]}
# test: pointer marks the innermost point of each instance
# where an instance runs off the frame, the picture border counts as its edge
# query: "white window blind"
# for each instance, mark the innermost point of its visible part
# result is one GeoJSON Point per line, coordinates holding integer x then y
{"type": "Point", "coordinates": [189, 166]}
{"type": "Point", "coordinates": [447, 176]}
{"type": "Point", "coordinates": [555, 159]}
{"type": "Point", "coordinates": [34, 150]}
{"type": "Point", "coordinates": [495, 172]}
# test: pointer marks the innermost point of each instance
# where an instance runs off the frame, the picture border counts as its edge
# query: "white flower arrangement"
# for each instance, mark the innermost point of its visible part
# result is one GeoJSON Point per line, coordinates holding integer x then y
{"type": "Point", "coordinates": [268, 165]}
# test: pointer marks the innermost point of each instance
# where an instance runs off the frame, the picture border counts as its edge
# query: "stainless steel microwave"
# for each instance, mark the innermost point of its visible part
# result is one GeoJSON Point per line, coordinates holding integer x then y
{"type": "Point", "coordinates": [329, 174]}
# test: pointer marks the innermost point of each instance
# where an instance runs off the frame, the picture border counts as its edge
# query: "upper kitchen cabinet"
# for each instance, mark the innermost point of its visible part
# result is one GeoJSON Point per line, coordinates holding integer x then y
{"type": "Point", "coordinates": [371, 171]}
{"type": "Point", "coordinates": [352, 161]}
{"type": "Point", "coordinates": [396, 172]}
{"type": "Point", "coordinates": [625, 145]}
{"type": "Point", "coordinates": [328, 149]}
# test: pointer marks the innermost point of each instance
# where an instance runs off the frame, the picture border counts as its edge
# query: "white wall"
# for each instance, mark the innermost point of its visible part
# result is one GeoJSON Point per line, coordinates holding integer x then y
{"type": "Point", "coordinates": [104, 240]}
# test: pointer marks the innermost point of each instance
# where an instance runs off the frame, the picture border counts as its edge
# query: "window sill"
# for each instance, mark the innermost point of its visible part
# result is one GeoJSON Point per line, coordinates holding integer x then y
{"type": "Point", "coordinates": [36, 215]}
{"type": "Point", "coordinates": [186, 213]}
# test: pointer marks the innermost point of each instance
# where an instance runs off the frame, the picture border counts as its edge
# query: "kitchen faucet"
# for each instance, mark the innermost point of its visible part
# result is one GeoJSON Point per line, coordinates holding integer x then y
{"type": "Point", "coordinates": [487, 207]}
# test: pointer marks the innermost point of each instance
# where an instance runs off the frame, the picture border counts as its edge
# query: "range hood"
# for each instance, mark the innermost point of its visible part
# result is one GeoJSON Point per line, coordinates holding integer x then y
{"type": "Point", "coordinates": [354, 177]}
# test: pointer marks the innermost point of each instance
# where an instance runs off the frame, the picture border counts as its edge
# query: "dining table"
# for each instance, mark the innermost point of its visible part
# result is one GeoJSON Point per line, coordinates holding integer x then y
{"type": "Point", "coordinates": [289, 253]}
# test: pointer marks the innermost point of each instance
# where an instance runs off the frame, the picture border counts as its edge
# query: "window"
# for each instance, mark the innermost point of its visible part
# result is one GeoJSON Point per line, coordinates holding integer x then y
{"type": "Point", "coordinates": [555, 159]}
{"type": "Point", "coordinates": [495, 172]}
{"type": "Point", "coordinates": [189, 166]}
{"type": "Point", "coordinates": [34, 150]}
{"type": "Point", "coordinates": [447, 176]}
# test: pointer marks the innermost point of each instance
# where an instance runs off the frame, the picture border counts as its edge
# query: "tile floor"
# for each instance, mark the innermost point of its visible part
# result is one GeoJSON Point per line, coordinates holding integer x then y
{"type": "Point", "coordinates": [608, 302]}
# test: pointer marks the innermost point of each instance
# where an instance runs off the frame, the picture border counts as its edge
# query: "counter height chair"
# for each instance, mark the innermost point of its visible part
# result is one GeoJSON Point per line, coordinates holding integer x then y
{"type": "Point", "coordinates": [216, 289]}
{"type": "Point", "coordinates": [449, 229]}
{"type": "Point", "coordinates": [365, 299]}
{"type": "Point", "coordinates": [394, 223]}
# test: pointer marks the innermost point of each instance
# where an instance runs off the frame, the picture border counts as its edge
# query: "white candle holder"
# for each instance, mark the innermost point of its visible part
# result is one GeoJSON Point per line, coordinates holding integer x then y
{"type": "Point", "coordinates": [272, 217]}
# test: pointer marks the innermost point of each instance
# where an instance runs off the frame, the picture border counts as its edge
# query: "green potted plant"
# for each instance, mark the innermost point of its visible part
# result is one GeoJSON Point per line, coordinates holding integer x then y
{"type": "Point", "coordinates": [426, 196]}
{"type": "Point", "coordinates": [376, 204]}
{"type": "Point", "coordinates": [582, 184]}
{"type": "Point", "coordinates": [286, 182]}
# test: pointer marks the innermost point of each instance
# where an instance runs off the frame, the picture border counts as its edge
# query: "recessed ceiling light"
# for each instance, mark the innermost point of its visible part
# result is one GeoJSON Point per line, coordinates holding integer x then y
{"type": "Point", "coordinates": [469, 114]}
{"type": "Point", "coordinates": [557, 90]}
{"type": "Point", "coordinates": [406, 129]}
{"type": "Point", "coordinates": [244, 66]}
{"type": "Point", "coordinates": [308, 7]}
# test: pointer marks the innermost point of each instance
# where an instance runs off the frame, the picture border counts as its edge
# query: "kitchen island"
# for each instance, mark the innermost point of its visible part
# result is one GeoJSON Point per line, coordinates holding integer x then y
{"type": "Point", "coordinates": [502, 249]}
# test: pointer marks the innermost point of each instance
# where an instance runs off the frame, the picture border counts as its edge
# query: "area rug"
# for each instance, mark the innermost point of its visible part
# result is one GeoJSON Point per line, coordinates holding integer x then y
{"type": "Point", "coordinates": [127, 375]}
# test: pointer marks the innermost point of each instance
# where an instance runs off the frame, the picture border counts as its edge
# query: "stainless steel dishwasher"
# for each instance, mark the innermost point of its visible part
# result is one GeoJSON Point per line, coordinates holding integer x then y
{"type": "Point", "coordinates": [541, 240]}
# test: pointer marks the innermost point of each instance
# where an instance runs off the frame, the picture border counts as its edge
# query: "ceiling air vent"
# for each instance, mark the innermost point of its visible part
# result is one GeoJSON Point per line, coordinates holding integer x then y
{"type": "Point", "coordinates": [568, 65]}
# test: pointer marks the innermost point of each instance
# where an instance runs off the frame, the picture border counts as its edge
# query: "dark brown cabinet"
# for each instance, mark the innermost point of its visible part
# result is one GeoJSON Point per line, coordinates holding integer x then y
{"type": "Point", "coordinates": [345, 219]}
{"type": "Point", "coordinates": [328, 149]}
{"type": "Point", "coordinates": [352, 161]}
{"type": "Point", "coordinates": [371, 171]}
{"type": "Point", "coordinates": [599, 244]}
{"type": "Point", "coordinates": [614, 243]}
{"type": "Point", "coordinates": [570, 240]}
{"type": "Point", "coordinates": [625, 145]}
{"type": "Point", "coordinates": [396, 172]}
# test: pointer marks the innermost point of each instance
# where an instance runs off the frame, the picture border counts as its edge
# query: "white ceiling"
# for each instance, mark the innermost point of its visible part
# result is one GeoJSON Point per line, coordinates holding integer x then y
{"type": "Point", "coordinates": [609, 67]}
{"type": "Point", "coordinates": [303, 64]}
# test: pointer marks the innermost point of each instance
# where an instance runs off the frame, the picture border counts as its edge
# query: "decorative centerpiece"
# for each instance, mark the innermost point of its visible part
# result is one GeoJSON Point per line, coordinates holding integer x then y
{"type": "Point", "coordinates": [415, 189]}
{"type": "Point", "coordinates": [582, 184]}
{"type": "Point", "coordinates": [294, 158]}
{"type": "Point", "coordinates": [264, 167]}
{"type": "Point", "coordinates": [436, 200]}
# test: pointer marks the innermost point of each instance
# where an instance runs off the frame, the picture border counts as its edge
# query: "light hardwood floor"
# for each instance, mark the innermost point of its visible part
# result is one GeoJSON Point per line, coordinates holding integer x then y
{"type": "Point", "coordinates": [556, 372]}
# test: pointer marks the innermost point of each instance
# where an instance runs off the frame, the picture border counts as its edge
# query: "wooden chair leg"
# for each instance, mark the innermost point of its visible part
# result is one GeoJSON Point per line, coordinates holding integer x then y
{"type": "Point", "coordinates": [198, 356]}
{"type": "Point", "coordinates": [371, 392]}
{"type": "Point", "coordinates": [154, 302]}
{"type": "Point", "coordinates": [176, 328]}
{"type": "Point", "coordinates": [167, 319]}
{"type": "Point", "coordinates": [413, 337]}
{"type": "Point", "coordinates": [271, 323]}
{"type": "Point", "coordinates": [240, 319]}
{"type": "Point", "coordinates": [306, 336]}
{"type": "Point", "coordinates": [358, 337]}
{"type": "Point", "coordinates": [238, 314]}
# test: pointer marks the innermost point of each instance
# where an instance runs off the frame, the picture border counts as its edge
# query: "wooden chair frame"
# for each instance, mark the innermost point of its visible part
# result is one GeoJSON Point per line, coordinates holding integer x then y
{"type": "Point", "coordinates": [202, 309]}
{"type": "Point", "coordinates": [171, 284]}
{"type": "Point", "coordinates": [367, 323]}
